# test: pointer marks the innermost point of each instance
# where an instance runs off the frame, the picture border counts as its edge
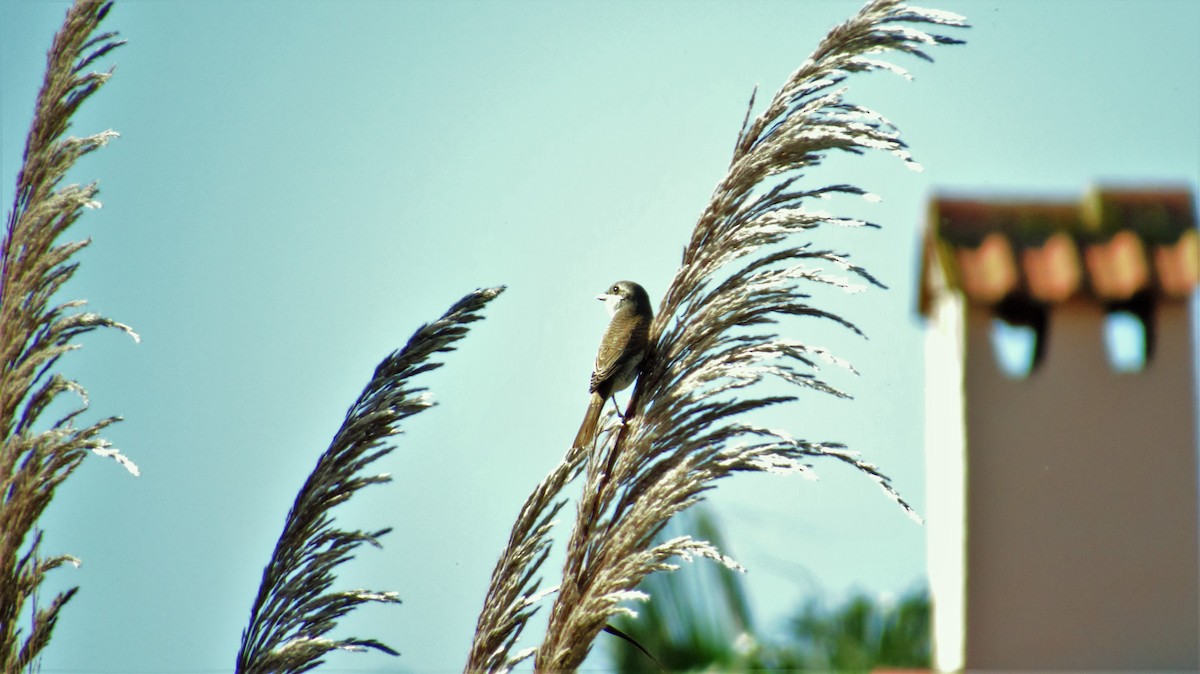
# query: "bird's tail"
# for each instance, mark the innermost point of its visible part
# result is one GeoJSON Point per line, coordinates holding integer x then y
{"type": "Point", "coordinates": [587, 430]}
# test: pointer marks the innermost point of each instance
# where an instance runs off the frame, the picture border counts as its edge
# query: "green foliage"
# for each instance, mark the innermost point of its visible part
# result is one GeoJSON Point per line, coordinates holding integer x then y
{"type": "Point", "coordinates": [698, 619]}
{"type": "Point", "coordinates": [862, 634]}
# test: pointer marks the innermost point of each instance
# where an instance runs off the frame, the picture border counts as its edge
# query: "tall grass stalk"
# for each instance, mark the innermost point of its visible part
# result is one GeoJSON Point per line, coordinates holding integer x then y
{"type": "Point", "coordinates": [36, 457]}
{"type": "Point", "coordinates": [712, 340]}
{"type": "Point", "coordinates": [295, 608]}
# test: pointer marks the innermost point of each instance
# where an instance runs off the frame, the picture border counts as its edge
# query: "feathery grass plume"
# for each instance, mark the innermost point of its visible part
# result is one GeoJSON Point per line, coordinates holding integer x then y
{"type": "Point", "coordinates": [699, 618]}
{"type": "Point", "coordinates": [34, 334]}
{"type": "Point", "coordinates": [513, 597]}
{"type": "Point", "coordinates": [294, 609]}
{"type": "Point", "coordinates": [710, 341]}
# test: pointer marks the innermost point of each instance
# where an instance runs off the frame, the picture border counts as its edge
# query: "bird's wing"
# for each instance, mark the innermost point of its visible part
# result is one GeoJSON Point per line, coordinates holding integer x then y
{"type": "Point", "coordinates": [619, 342]}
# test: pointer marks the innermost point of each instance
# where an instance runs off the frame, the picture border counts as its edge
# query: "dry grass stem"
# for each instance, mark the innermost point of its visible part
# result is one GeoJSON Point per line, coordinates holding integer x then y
{"type": "Point", "coordinates": [34, 334]}
{"type": "Point", "coordinates": [713, 340]}
{"type": "Point", "coordinates": [295, 608]}
{"type": "Point", "coordinates": [513, 595]}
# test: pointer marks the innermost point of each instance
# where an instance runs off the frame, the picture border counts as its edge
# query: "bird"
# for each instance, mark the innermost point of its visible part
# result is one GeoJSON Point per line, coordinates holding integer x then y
{"type": "Point", "coordinates": [622, 351]}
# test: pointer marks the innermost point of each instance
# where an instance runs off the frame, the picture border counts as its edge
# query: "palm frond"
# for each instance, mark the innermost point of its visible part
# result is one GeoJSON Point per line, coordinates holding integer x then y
{"type": "Point", "coordinates": [295, 609]}
{"type": "Point", "coordinates": [683, 431]}
{"type": "Point", "coordinates": [34, 334]}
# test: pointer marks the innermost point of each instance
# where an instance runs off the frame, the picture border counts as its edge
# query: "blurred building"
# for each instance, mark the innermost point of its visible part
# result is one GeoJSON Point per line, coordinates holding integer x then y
{"type": "Point", "coordinates": [1062, 481]}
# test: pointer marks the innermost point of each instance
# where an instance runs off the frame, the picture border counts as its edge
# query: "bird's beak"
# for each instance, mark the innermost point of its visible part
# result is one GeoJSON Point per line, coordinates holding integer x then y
{"type": "Point", "coordinates": [611, 302]}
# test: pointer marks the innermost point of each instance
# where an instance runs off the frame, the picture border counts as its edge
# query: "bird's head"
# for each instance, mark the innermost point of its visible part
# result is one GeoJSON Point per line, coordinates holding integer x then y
{"type": "Point", "coordinates": [625, 294]}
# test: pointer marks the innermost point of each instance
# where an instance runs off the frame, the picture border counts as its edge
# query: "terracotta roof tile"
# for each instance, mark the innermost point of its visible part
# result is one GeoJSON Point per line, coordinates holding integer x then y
{"type": "Point", "coordinates": [1112, 245]}
{"type": "Point", "coordinates": [1052, 270]}
{"type": "Point", "coordinates": [987, 272]}
{"type": "Point", "coordinates": [1178, 265]}
{"type": "Point", "coordinates": [1118, 268]}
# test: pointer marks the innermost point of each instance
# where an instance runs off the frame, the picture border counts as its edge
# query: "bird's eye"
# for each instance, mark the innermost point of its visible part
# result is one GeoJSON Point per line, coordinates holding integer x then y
{"type": "Point", "coordinates": [613, 290]}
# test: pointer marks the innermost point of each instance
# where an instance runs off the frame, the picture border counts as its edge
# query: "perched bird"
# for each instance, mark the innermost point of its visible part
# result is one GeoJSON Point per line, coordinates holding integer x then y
{"type": "Point", "coordinates": [622, 351]}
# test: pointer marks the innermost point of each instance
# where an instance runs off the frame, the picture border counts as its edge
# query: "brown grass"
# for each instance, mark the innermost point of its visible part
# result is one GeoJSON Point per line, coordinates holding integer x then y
{"type": "Point", "coordinates": [712, 342]}
{"type": "Point", "coordinates": [34, 334]}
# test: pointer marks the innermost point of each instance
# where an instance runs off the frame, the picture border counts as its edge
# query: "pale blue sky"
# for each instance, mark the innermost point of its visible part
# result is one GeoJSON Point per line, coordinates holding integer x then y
{"type": "Point", "coordinates": [299, 185]}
